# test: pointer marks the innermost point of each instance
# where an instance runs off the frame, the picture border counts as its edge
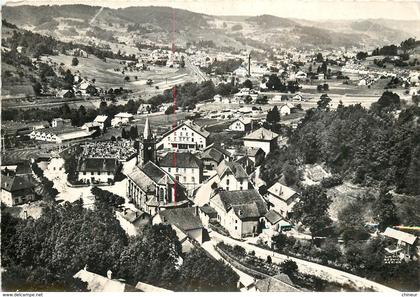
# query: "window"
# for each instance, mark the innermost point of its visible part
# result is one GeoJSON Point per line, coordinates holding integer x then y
{"type": "Point", "coordinates": [184, 179]}
{"type": "Point", "coordinates": [92, 173]}
{"type": "Point", "coordinates": [99, 173]}
{"type": "Point", "coordinates": [169, 169]}
{"type": "Point", "coordinates": [240, 188]}
{"type": "Point", "coordinates": [84, 172]}
{"type": "Point", "coordinates": [227, 182]}
{"type": "Point", "coordinates": [193, 179]}
{"type": "Point", "coordinates": [236, 221]}
{"type": "Point", "coordinates": [236, 228]}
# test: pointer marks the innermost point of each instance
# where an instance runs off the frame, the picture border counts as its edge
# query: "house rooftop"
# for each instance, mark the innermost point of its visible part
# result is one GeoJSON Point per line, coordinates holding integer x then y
{"type": "Point", "coordinates": [261, 134]}
{"type": "Point", "coordinates": [100, 118]}
{"type": "Point", "coordinates": [273, 216]}
{"type": "Point", "coordinates": [278, 283]}
{"type": "Point", "coordinates": [192, 125]}
{"type": "Point", "coordinates": [181, 160]}
{"type": "Point", "coordinates": [98, 165]}
{"type": "Point", "coordinates": [149, 288]}
{"type": "Point", "coordinates": [184, 218]}
{"type": "Point", "coordinates": [400, 235]}
{"type": "Point", "coordinates": [245, 203]}
{"type": "Point", "coordinates": [15, 183]}
{"type": "Point", "coordinates": [235, 168]}
{"type": "Point", "coordinates": [99, 283]}
{"type": "Point", "coordinates": [281, 191]}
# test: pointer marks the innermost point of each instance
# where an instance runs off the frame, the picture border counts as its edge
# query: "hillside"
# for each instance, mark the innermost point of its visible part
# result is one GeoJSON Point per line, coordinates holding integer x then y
{"type": "Point", "coordinates": [83, 23]}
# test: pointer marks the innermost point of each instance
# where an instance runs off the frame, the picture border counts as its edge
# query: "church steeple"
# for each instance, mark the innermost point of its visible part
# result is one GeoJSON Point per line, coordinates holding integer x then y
{"type": "Point", "coordinates": [147, 150]}
{"type": "Point", "coordinates": [147, 134]}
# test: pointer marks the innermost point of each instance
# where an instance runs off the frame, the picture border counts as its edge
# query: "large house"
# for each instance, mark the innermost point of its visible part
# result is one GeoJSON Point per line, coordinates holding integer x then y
{"type": "Point", "coordinates": [122, 118]}
{"type": "Point", "coordinates": [261, 138]}
{"type": "Point", "coordinates": [97, 170]}
{"type": "Point", "coordinates": [187, 224]}
{"type": "Point", "coordinates": [232, 176]}
{"type": "Point", "coordinates": [187, 136]}
{"type": "Point", "coordinates": [103, 121]}
{"type": "Point", "coordinates": [152, 189]}
{"type": "Point", "coordinates": [59, 122]}
{"type": "Point", "coordinates": [281, 198]}
{"type": "Point", "coordinates": [241, 124]}
{"type": "Point", "coordinates": [185, 167]}
{"type": "Point", "coordinates": [16, 189]}
{"type": "Point", "coordinates": [239, 212]}
{"type": "Point", "coordinates": [211, 156]}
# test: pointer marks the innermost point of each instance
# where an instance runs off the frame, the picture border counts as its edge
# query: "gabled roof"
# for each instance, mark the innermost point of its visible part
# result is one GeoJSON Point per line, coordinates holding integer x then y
{"type": "Point", "coordinates": [100, 118]}
{"type": "Point", "coordinates": [123, 115]}
{"type": "Point", "coordinates": [157, 174]}
{"type": "Point", "coordinates": [278, 283]}
{"type": "Point", "coordinates": [180, 160]}
{"type": "Point", "coordinates": [245, 203]}
{"type": "Point", "coordinates": [196, 128]}
{"type": "Point", "coordinates": [184, 218]}
{"type": "Point", "coordinates": [15, 183]}
{"type": "Point", "coordinates": [149, 288]}
{"type": "Point", "coordinates": [245, 121]}
{"type": "Point", "coordinates": [97, 164]}
{"type": "Point", "coordinates": [234, 168]}
{"type": "Point", "coordinates": [400, 235]}
{"type": "Point", "coordinates": [99, 283]}
{"type": "Point", "coordinates": [281, 191]}
{"type": "Point", "coordinates": [142, 180]}
{"type": "Point", "coordinates": [261, 134]}
{"type": "Point", "coordinates": [273, 216]}
{"type": "Point", "coordinates": [215, 153]}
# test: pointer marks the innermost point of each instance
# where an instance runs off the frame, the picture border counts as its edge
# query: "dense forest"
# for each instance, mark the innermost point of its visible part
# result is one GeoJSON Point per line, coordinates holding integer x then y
{"type": "Point", "coordinates": [35, 45]}
{"type": "Point", "coordinates": [379, 146]}
{"type": "Point", "coordinates": [44, 254]}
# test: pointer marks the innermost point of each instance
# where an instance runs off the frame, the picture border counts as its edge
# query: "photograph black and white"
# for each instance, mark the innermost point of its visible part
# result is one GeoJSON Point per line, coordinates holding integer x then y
{"type": "Point", "coordinates": [210, 146]}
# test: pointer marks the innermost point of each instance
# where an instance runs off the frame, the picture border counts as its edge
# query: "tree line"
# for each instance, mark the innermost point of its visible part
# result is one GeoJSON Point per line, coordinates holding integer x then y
{"type": "Point", "coordinates": [44, 254]}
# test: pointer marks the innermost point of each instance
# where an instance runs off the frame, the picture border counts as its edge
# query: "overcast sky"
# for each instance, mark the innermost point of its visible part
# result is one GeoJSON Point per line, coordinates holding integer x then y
{"type": "Point", "coordinates": [304, 9]}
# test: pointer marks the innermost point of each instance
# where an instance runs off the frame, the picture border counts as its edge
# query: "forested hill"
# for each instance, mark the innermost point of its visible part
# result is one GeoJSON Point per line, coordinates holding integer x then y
{"type": "Point", "coordinates": [367, 146]}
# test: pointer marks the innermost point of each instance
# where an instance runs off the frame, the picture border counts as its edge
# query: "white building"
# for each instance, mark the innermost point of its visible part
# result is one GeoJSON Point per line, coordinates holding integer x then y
{"type": "Point", "coordinates": [241, 124]}
{"type": "Point", "coordinates": [239, 212]}
{"type": "Point", "coordinates": [281, 198]}
{"type": "Point", "coordinates": [97, 170]}
{"type": "Point", "coordinates": [184, 167]}
{"type": "Point", "coordinates": [261, 138]}
{"type": "Point", "coordinates": [187, 136]}
{"type": "Point", "coordinates": [121, 118]}
{"type": "Point", "coordinates": [232, 176]}
{"type": "Point", "coordinates": [101, 120]}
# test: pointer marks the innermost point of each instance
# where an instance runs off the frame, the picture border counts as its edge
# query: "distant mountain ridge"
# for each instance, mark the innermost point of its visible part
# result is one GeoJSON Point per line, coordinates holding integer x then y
{"type": "Point", "coordinates": [157, 23]}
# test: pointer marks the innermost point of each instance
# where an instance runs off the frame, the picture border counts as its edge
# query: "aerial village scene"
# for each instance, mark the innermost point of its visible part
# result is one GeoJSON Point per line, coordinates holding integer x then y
{"type": "Point", "coordinates": [160, 149]}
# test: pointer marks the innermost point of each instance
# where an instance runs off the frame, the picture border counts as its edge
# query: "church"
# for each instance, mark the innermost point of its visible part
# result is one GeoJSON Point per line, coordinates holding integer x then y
{"type": "Point", "coordinates": [149, 187]}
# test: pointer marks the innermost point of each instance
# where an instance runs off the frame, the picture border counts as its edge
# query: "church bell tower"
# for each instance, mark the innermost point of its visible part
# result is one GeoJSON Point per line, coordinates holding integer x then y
{"type": "Point", "coordinates": [147, 148]}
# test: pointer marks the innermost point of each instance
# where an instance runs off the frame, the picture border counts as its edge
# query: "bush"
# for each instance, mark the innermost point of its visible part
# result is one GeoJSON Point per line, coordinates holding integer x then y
{"type": "Point", "coordinates": [289, 267]}
{"type": "Point", "coordinates": [239, 251]}
{"type": "Point", "coordinates": [332, 181]}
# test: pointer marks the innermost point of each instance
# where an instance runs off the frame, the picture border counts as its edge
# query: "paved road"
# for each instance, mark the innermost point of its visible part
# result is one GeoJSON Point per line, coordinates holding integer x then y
{"type": "Point", "coordinates": [244, 278]}
{"type": "Point", "coordinates": [307, 267]}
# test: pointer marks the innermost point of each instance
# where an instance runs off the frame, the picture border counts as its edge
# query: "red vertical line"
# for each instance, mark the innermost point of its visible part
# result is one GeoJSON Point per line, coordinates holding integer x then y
{"type": "Point", "coordinates": [174, 99]}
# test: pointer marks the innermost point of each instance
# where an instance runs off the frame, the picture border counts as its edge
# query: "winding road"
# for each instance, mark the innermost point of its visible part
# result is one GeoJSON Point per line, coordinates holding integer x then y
{"type": "Point", "coordinates": [324, 272]}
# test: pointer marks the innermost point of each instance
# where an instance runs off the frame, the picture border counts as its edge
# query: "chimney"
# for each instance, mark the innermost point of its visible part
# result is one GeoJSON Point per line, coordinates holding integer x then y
{"type": "Point", "coordinates": [25, 215]}
{"type": "Point", "coordinates": [196, 211]}
{"type": "Point", "coordinates": [109, 274]}
{"type": "Point", "coordinates": [85, 268]}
